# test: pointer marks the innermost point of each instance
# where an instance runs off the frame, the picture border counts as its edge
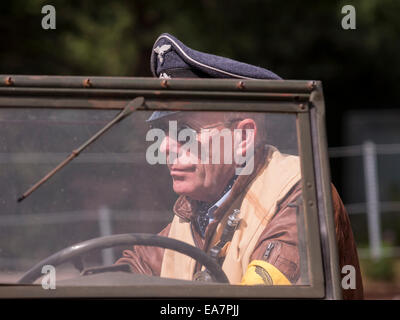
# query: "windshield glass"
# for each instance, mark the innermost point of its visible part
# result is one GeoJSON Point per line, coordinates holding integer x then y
{"type": "Point", "coordinates": [178, 175]}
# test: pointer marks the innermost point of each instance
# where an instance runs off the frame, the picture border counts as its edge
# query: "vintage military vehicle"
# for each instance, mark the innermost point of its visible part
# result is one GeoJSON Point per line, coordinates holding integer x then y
{"type": "Point", "coordinates": [111, 197]}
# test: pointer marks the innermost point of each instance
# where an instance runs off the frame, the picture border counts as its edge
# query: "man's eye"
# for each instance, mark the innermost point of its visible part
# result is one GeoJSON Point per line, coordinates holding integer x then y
{"type": "Point", "coordinates": [187, 134]}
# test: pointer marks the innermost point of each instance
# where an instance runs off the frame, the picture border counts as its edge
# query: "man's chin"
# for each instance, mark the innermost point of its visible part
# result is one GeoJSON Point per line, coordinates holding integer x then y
{"type": "Point", "coordinates": [183, 189]}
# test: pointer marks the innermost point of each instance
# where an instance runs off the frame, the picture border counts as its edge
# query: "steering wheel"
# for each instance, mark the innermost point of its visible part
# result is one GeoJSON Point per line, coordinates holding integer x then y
{"type": "Point", "coordinates": [76, 250]}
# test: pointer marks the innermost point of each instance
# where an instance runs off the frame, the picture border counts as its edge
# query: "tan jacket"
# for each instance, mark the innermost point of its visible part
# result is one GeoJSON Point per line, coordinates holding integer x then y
{"type": "Point", "coordinates": [268, 230]}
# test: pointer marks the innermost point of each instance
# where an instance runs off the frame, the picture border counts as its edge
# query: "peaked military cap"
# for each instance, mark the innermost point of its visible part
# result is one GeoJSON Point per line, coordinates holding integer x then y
{"type": "Point", "coordinates": [170, 58]}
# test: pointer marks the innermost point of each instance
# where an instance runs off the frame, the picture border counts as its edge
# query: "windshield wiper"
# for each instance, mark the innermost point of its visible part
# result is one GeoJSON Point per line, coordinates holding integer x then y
{"type": "Point", "coordinates": [129, 108]}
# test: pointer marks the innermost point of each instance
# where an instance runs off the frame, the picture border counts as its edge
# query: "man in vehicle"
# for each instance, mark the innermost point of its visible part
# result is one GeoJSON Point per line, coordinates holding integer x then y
{"type": "Point", "coordinates": [264, 191]}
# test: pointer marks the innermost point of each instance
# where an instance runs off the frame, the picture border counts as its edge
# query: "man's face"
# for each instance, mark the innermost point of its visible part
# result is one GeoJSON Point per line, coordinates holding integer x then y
{"type": "Point", "coordinates": [190, 175]}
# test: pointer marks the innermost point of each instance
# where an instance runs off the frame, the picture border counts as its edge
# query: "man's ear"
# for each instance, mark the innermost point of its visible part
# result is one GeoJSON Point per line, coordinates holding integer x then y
{"type": "Point", "coordinates": [244, 137]}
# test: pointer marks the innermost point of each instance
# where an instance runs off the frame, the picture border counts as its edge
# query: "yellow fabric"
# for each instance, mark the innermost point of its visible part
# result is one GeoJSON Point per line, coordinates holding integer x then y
{"type": "Point", "coordinates": [257, 206]}
{"type": "Point", "coordinates": [175, 264]}
{"type": "Point", "coordinates": [261, 272]}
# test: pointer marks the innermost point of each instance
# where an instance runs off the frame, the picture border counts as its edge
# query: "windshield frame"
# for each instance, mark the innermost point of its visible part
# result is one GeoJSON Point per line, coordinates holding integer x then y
{"type": "Point", "coordinates": [302, 98]}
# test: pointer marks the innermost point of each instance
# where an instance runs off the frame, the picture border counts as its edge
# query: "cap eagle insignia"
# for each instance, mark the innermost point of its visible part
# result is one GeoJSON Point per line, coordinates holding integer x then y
{"type": "Point", "coordinates": [161, 51]}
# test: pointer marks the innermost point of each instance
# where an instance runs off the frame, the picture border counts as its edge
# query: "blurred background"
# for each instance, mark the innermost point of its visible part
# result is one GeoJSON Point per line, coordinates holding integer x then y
{"type": "Point", "coordinates": [359, 69]}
